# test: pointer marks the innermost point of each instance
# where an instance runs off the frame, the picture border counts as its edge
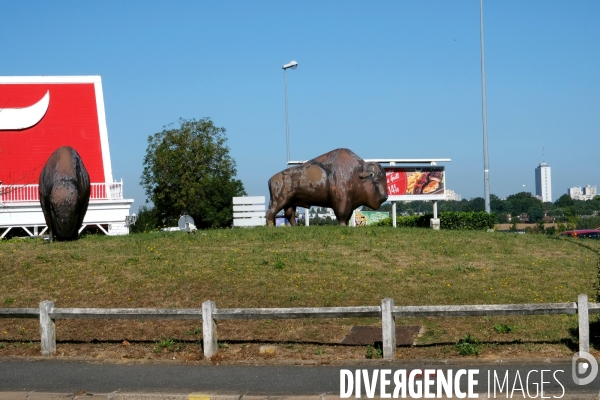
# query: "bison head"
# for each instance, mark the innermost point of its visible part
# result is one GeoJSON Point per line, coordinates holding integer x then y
{"type": "Point", "coordinates": [375, 184]}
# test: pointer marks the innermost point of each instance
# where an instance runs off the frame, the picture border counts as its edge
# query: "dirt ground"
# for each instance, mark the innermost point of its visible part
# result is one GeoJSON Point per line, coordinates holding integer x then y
{"type": "Point", "coordinates": [165, 341]}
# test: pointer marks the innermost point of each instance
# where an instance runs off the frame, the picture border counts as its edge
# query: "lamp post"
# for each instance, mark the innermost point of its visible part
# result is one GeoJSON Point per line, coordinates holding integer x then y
{"type": "Point", "coordinates": [486, 167]}
{"type": "Point", "coordinates": [292, 65]}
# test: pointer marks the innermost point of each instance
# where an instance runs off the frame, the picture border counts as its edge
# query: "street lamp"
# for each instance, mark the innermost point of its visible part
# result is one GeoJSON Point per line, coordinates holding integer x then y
{"type": "Point", "coordinates": [292, 65]}
{"type": "Point", "coordinates": [486, 166]}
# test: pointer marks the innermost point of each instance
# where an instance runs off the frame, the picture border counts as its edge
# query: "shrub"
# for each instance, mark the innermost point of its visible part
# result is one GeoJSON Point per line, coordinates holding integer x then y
{"type": "Point", "coordinates": [588, 223]}
{"type": "Point", "coordinates": [467, 220]}
{"type": "Point", "coordinates": [449, 220]}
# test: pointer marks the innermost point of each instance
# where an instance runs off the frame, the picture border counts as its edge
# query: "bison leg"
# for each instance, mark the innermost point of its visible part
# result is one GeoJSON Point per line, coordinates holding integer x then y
{"type": "Point", "coordinates": [344, 220]}
{"type": "Point", "coordinates": [343, 212]}
{"type": "Point", "coordinates": [344, 215]}
{"type": "Point", "coordinates": [271, 213]}
{"type": "Point", "coordinates": [290, 215]}
{"type": "Point", "coordinates": [46, 210]}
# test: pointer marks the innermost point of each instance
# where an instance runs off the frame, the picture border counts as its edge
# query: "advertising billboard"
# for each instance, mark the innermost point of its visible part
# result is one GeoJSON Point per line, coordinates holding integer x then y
{"type": "Point", "coordinates": [415, 183]}
{"type": "Point", "coordinates": [40, 114]}
{"type": "Point", "coordinates": [364, 218]}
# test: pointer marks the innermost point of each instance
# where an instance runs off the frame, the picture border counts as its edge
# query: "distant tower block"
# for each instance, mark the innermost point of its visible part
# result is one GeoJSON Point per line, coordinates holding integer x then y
{"type": "Point", "coordinates": [543, 183]}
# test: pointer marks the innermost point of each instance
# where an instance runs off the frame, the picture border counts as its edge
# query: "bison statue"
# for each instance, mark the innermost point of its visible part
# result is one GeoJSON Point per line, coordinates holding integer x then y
{"type": "Point", "coordinates": [64, 193]}
{"type": "Point", "coordinates": [340, 180]}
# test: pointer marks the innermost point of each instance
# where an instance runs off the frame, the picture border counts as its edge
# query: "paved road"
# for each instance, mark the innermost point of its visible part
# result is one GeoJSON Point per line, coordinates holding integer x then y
{"type": "Point", "coordinates": [63, 376]}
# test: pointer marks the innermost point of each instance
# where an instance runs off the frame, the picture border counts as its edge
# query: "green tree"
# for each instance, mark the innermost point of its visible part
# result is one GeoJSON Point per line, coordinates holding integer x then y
{"type": "Point", "coordinates": [496, 204]}
{"type": "Point", "coordinates": [477, 204]}
{"type": "Point", "coordinates": [535, 213]}
{"type": "Point", "coordinates": [522, 203]}
{"type": "Point", "coordinates": [564, 201]}
{"type": "Point", "coordinates": [146, 220]}
{"type": "Point", "coordinates": [189, 169]}
{"type": "Point", "coordinates": [502, 218]}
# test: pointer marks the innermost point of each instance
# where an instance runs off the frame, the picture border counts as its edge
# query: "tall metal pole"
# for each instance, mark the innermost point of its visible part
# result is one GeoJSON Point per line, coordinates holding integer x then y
{"type": "Point", "coordinates": [287, 127]}
{"type": "Point", "coordinates": [486, 168]}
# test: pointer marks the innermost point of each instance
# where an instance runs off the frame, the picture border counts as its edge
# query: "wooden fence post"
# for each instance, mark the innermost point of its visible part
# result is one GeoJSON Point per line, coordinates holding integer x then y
{"type": "Point", "coordinates": [47, 328]}
{"type": "Point", "coordinates": [209, 329]}
{"type": "Point", "coordinates": [584, 323]}
{"type": "Point", "coordinates": [388, 327]}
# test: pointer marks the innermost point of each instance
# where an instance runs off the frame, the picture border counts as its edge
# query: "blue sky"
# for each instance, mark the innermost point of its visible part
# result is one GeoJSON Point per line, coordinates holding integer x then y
{"type": "Point", "coordinates": [387, 79]}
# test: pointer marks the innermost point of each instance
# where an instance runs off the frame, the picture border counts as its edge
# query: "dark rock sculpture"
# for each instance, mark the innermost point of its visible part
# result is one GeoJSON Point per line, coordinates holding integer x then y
{"type": "Point", "coordinates": [64, 193]}
{"type": "Point", "coordinates": [340, 180]}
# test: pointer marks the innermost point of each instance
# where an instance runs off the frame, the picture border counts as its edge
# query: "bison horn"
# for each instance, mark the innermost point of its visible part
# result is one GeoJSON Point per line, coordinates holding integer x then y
{"type": "Point", "coordinates": [364, 175]}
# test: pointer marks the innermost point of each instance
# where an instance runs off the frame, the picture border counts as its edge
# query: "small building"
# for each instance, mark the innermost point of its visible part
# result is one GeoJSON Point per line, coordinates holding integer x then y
{"type": "Point", "coordinates": [452, 195]}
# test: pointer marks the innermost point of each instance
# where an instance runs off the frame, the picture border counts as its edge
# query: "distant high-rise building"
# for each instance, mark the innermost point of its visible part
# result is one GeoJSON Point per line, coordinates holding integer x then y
{"type": "Point", "coordinates": [543, 186]}
{"type": "Point", "coordinates": [588, 192]}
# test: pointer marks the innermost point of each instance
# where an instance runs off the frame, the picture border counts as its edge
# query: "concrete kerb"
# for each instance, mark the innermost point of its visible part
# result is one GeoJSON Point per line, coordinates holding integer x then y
{"type": "Point", "coordinates": [203, 396]}
{"type": "Point", "coordinates": [149, 396]}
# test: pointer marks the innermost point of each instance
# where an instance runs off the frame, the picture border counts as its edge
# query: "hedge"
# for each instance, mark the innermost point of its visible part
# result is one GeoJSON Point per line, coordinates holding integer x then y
{"type": "Point", "coordinates": [448, 220]}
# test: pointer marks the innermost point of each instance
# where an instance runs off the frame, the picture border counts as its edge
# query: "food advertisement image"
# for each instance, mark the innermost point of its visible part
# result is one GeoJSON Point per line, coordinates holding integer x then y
{"type": "Point", "coordinates": [364, 218]}
{"type": "Point", "coordinates": [412, 183]}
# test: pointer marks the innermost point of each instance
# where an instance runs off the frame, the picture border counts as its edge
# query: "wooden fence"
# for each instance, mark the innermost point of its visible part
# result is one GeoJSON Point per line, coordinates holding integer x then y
{"type": "Point", "coordinates": [209, 314]}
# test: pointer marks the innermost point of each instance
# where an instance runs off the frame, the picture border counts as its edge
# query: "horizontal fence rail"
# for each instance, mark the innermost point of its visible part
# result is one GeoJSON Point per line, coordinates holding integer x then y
{"type": "Point", "coordinates": [19, 312]}
{"type": "Point", "coordinates": [209, 314]}
{"type": "Point", "coordinates": [126, 313]}
{"type": "Point", "coordinates": [484, 310]}
{"type": "Point", "coordinates": [292, 313]}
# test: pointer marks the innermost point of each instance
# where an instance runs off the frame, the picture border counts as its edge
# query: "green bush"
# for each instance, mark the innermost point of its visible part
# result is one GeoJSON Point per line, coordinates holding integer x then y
{"type": "Point", "coordinates": [449, 220]}
{"type": "Point", "coordinates": [467, 221]}
{"type": "Point", "coordinates": [588, 223]}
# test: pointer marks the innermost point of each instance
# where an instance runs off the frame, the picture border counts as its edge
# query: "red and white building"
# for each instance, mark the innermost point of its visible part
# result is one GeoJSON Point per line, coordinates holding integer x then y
{"type": "Point", "coordinates": [38, 114]}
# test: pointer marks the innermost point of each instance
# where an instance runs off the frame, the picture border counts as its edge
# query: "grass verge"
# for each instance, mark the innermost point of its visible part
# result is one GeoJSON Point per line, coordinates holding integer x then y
{"type": "Point", "coordinates": [301, 267]}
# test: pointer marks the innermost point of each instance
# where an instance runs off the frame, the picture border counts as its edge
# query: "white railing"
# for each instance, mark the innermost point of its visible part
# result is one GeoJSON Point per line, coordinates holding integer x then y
{"type": "Point", "coordinates": [388, 312]}
{"type": "Point", "coordinates": [30, 193]}
{"type": "Point", "coordinates": [19, 193]}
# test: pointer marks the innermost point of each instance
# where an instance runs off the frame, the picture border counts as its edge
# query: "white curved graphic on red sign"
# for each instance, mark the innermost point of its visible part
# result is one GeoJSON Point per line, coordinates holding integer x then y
{"type": "Point", "coordinates": [75, 118]}
{"type": "Point", "coordinates": [26, 117]}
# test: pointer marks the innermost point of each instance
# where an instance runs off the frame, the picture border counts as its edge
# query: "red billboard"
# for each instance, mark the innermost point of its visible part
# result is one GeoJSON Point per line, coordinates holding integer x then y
{"type": "Point", "coordinates": [415, 183]}
{"type": "Point", "coordinates": [40, 114]}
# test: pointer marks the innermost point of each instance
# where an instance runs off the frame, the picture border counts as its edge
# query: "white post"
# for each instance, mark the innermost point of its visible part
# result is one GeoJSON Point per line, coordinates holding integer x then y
{"type": "Point", "coordinates": [434, 222]}
{"type": "Point", "coordinates": [47, 328]}
{"type": "Point", "coordinates": [209, 329]}
{"type": "Point", "coordinates": [388, 328]}
{"type": "Point", "coordinates": [306, 217]}
{"type": "Point", "coordinates": [584, 323]}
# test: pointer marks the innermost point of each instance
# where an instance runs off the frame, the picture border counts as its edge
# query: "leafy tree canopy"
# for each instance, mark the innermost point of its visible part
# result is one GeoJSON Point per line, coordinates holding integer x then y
{"type": "Point", "coordinates": [189, 169]}
{"type": "Point", "coordinates": [564, 201]}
